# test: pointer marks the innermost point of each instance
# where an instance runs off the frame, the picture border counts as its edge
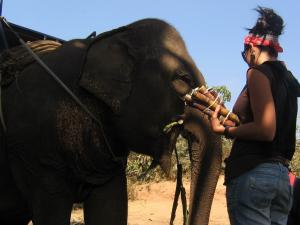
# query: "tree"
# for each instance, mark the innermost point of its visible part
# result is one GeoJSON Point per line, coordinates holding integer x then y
{"type": "Point", "coordinates": [224, 92]}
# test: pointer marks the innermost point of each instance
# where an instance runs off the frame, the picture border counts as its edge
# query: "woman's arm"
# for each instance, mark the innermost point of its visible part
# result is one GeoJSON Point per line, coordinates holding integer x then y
{"type": "Point", "coordinates": [263, 127]}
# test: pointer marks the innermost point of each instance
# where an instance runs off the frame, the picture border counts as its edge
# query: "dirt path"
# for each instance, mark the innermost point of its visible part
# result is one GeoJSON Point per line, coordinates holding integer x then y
{"type": "Point", "coordinates": [152, 205]}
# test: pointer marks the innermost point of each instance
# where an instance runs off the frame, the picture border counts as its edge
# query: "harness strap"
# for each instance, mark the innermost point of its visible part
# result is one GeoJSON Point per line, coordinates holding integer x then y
{"type": "Point", "coordinates": [180, 190]}
{"type": "Point", "coordinates": [73, 96]}
{"type": "Point", "coordinates": [5, 46]}
{"type": "Point", "coordinates": [1, 111]}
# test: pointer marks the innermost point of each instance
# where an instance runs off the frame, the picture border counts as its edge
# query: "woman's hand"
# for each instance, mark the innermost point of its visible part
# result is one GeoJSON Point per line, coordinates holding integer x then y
{"type": "Point", "coordinates": [216, 125]}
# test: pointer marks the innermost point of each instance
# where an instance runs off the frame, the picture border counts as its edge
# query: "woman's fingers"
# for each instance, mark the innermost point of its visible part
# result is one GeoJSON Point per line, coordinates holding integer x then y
{"type": "Point", "coordinates": [216, 112]}
{"type": "Point", "coordinates": [229, 123]}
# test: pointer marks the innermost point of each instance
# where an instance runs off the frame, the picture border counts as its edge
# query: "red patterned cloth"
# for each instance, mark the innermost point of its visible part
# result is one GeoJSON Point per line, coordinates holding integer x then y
{"type": "Point", "coordinates": [292, 178]}
{"type": "Point", "coordinates": [266, 40]}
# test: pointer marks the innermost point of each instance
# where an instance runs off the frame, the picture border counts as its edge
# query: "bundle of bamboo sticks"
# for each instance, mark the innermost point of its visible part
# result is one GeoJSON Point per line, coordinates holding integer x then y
{"type": "Point", "coordinates": [207, 101]}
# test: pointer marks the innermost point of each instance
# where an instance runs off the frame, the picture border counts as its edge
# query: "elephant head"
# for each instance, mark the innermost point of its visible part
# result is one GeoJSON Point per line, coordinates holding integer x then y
{"type": "Point", "coordinates": [141, 72]}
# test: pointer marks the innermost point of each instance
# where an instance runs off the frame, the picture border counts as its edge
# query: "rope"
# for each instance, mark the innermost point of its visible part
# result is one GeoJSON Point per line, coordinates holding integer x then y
{"type": "Point", "coordinates": [226, 117]}
{"type": "Point", "coordinates": [14, 60]}
{"type": "Point", "coordinates": [193, 91]}
{"type": "Point", "coordinates": [180, 190]}
{"type": "Point", "coordinates": [207, 108]}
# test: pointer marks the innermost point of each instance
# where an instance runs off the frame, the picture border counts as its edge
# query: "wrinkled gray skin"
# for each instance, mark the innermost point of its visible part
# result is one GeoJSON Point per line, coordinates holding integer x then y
{"type": "Point", "coordinates": [53, 154]}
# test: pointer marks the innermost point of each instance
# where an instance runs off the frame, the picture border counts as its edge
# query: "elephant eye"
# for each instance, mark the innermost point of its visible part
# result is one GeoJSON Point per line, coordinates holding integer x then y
{"type": "Point", "coordinates": [182, 83]}
{"type": "Point", "coordinates": [185, 77]}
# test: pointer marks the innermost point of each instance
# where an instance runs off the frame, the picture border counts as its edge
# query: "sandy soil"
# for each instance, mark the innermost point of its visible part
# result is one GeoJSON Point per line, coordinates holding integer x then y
{"type": "Point", "coordinates": [152, 205]}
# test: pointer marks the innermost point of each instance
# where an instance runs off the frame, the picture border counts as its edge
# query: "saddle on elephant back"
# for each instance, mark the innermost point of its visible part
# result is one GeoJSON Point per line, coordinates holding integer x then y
{"type": "Point", "coordinates": [14, 60]}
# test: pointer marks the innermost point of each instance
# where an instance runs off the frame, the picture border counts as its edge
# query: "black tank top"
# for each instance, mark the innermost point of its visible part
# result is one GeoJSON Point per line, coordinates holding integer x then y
{"type": "Point", "coordinates": [247, 154]}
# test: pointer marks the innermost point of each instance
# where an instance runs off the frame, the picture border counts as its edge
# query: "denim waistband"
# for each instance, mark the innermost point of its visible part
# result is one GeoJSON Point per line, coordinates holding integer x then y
{"type": "Point", "coordinates": [273, 166]}
{"type": "Point", "coordinates": [278, 159]}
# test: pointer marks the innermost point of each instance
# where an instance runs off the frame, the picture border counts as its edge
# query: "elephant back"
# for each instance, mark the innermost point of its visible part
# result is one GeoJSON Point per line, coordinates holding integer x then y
{"type": "Point", "coordinates": [14, 60]}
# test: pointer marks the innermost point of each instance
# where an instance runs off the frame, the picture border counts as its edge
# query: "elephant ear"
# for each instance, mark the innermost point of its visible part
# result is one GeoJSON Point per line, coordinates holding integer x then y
{"type": "Point", "coordinates": [107, 72]}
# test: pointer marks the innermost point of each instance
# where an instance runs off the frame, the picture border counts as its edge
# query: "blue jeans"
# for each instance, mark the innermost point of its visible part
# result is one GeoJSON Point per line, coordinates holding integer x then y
{"type": "Point", "coordinates": [261, 196]}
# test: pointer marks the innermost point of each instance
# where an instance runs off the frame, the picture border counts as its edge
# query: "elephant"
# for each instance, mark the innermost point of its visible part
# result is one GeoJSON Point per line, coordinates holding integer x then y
{"type": "Point", "coordinates": [53, 153]}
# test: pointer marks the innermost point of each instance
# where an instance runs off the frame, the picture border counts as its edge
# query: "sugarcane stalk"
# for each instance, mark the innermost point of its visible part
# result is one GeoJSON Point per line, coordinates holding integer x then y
{"type": "Point", "coordinates": [200, 97]}
{"type": "Point", "coordinates": [202, 108]}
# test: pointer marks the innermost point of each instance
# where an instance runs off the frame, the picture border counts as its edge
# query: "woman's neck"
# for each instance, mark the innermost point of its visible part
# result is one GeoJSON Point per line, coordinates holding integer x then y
{"type": "Point", "coordinates": [264, 57]}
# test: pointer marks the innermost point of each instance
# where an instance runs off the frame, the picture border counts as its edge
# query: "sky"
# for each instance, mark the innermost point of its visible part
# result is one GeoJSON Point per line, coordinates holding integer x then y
{"type": "Point", "coordinates": [212, 30]}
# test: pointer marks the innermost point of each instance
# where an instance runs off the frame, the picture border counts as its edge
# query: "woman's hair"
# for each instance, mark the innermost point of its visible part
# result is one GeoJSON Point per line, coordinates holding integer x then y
{"type": "Point", "coordinates": [268, 23]}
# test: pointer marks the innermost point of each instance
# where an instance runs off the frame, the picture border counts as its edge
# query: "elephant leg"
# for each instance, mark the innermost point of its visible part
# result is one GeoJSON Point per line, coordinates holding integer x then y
{"type": "Point", "coordinates": [107, 204]}
{"type": "Point", "coordinates": [14, 209]}
{"type": "Point", "coordinates": [19, 217]}
{"type": "Point", "coordinates": [49, 195]}
{"type": "Point", "coordinates": [53, 202]}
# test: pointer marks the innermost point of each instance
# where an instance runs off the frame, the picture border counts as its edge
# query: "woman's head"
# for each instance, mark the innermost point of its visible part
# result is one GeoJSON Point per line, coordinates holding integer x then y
{"type": "Point", "coordinates": [268, 22]}
{"type": "Point", "coordinates": [263, 36]}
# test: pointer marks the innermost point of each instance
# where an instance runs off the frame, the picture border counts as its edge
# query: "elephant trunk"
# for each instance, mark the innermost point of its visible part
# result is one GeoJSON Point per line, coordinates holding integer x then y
{"type": "Point", "coordinates": [206, 158]}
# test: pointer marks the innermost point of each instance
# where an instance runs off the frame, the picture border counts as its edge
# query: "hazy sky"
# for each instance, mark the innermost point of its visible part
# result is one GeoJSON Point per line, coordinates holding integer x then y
{"type": "Point", "coordinates": [213, 30]}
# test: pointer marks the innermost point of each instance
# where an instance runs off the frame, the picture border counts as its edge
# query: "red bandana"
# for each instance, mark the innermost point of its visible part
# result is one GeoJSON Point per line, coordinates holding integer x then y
{"type": "Point", "coordinates": [266, 40]}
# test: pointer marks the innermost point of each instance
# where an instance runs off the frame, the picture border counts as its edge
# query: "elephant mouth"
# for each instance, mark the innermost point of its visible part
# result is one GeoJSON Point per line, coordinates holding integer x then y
{"type": "Point", "coordinates": [173, 131]}
{"type": "Point", "coordinates": [165, 159]}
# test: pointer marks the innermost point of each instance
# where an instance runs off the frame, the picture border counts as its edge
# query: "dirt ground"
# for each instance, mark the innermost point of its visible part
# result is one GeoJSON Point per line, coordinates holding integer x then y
{"type": "Point", "coordinates": [152, 205]}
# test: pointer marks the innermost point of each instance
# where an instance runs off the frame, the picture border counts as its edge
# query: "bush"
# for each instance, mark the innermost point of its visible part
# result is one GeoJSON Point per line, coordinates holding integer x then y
{"type": "Point", "coordinates": [138, 164]}
{"type": "Point", "coordinates": [295, 163]}
{"type": "Point", "coordinates": [226, 148]}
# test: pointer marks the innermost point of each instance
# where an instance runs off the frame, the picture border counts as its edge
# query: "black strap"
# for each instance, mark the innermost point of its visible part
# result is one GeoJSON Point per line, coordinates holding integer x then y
{"type": "Point", "coordinates": [92, 35]}
{"type": "Point", "coordinates": [180, 190]}
{"type": "Point", "coordinates": [3, 43]}
{"type": "Point", "coordinates": [3, 46]}
{"type": "Point", "coordinates": [1, 111]}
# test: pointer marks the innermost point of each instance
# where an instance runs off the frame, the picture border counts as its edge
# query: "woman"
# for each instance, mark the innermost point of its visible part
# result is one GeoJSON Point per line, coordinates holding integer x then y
{"type": "Point", "coordinates": [256, 175]}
